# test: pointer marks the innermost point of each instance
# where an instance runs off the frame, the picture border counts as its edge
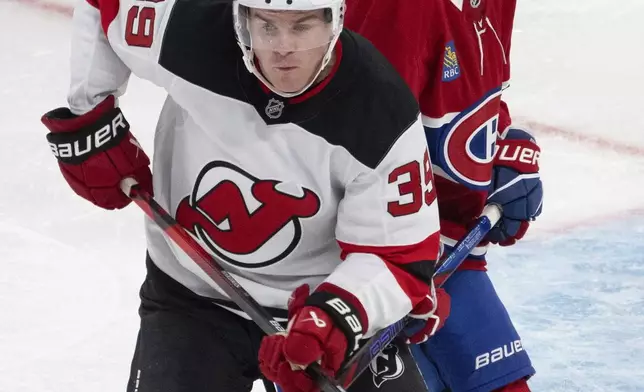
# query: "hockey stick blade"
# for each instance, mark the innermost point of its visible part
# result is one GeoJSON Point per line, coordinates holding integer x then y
{"type": "Point", "coordinates": [372, 348]}
{"type": "Point", "coordinates": [216, 271]}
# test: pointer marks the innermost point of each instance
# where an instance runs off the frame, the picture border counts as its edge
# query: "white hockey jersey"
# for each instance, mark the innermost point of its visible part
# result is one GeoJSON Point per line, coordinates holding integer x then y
{"type": "Point", "coordinates": [332, 188]}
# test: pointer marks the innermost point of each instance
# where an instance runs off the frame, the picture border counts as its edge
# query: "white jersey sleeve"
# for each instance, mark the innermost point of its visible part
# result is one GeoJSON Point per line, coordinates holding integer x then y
{"type": "Point", "coordinates": [110, 40]}
{"type": "Point", "coordinates": [388, 230]}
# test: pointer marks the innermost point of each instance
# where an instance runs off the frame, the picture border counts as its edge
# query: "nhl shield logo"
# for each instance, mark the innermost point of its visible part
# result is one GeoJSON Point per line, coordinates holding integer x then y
{"type": "Point", "coordinates": [475, 3]}
{"type": "Point", "coordinates": [388, 365]}
{"type": "Point", "coordinates": [274, 108]}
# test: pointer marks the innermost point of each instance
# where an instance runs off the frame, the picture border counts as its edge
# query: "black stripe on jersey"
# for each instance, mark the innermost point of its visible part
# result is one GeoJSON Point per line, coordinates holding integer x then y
{"type": "Point", "coordinates": [422, 270]}
{"type": "Point", "coordinates": [365, 108]}
{"type": "Point", "coordinates": [199, 45]}
{"type": "Point", "coordinates": [371, 108]}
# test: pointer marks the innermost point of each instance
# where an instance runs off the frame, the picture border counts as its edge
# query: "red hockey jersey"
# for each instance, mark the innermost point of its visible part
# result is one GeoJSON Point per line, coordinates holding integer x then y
{"type": "Point", "coordinates": [454, 54]}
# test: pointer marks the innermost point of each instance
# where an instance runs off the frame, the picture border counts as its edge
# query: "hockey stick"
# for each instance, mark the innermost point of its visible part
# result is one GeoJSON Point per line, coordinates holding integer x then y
{"type": "Point", "coordinates": [370, 350]}
{"type": "Point", "coordinates": [215, 270]}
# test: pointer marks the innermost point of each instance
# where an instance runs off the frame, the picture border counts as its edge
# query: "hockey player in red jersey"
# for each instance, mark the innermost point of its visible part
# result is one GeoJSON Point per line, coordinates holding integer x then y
{"type": "Point", "coordinates": [292, 151]}
{"type": "Point", "coordinates": [454, 54]}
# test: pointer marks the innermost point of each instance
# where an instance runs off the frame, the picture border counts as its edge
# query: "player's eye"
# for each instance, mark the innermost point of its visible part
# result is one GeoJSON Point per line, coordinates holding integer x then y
{"type": "Point", "coordinates": [301, 27]}
{"type": "Point", "coordinates": [269, 28]}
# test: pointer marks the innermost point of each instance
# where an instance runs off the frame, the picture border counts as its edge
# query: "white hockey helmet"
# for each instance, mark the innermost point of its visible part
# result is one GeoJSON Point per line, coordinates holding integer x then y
{"type": "Point", "coordinates": [334, 13]}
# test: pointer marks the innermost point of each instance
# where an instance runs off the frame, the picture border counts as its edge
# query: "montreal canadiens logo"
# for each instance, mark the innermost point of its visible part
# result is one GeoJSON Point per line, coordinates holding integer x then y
{"type": "Point", "coordinates": [248, 222]}
{"type": "Point", "coordinates": [468, 143]}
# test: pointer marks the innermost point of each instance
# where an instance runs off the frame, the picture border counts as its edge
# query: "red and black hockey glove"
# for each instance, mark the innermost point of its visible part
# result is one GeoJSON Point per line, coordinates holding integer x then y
{"type": "Point", "coordinates": [430, 316]}
{"type": "Point", "coordinates": [96, 151]}
{"type": "Point", "coordinates": [322, 328]}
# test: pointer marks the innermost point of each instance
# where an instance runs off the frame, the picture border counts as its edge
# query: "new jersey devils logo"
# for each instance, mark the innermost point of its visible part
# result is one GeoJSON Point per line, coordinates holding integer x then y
{"type": "Point", "coordinates": [465, 146]}
{"type": "Point", "coordinates": [246, 221]}
{"type": "Point", "coordinates": [387, 366]}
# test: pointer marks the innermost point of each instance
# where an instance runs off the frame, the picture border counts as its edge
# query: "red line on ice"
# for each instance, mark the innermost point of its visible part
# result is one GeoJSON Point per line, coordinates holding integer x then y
{"type": "Point", "coordinates": [50, 6]}
{"type": "Point", "coordinates": [589, 140]}
{"type": "Point", "coordinates": [594, 221]}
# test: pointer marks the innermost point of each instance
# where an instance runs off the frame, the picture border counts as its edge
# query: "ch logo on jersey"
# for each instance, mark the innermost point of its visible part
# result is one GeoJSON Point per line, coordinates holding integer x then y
{"type": "Point", "coordinates": [466, 145]}
{"type": "Point", "coordinates": [246, 221]}
{"type": "Point", "coordinates": [387, 365]}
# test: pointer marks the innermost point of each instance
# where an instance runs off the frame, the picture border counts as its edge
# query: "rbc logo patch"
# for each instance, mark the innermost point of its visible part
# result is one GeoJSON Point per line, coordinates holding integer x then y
{"type": "Point", "coordinates": [451, 68]}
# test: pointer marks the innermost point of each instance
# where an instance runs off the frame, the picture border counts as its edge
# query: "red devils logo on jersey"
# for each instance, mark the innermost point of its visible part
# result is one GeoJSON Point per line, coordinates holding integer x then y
{"type": "Point", "coordinates": [246, 221]}
{"type": "Point", "coordinates": [464, 148]}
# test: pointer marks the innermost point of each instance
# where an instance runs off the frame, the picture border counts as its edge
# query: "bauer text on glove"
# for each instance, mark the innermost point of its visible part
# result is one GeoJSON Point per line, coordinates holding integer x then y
{"type": "Point", "coordinates": [96, 151]}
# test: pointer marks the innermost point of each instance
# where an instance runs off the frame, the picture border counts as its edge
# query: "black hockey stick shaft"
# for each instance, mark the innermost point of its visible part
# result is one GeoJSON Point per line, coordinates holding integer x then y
{"type": "Point", "coordinates": [216, 271]}
{"type": "Point", "coordinates": [370, 350]}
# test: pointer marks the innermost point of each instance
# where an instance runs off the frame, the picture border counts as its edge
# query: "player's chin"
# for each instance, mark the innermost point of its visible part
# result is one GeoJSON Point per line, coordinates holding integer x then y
{"type": "Point", "coordinates": [289, 83]}
{"type": "Point", "coordinates": [290, 87]}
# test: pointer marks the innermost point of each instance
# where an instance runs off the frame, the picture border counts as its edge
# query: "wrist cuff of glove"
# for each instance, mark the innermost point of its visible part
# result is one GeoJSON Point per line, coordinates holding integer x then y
{"type": "Point", "coordinates": [344, 314]}
{"type": "Point", "coordinates": [104, 133]}
{"type": "Point", "coordinates": [63, 120]}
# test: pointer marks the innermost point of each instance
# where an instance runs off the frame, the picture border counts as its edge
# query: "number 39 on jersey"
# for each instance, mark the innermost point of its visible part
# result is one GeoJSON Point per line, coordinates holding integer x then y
{"type": "Point", "coordinates": [415, 184]}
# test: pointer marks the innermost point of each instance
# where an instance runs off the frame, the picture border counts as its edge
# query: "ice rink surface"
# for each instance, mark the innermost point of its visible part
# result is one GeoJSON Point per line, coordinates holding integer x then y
{"type": "Point", "coordinates": [70, 273]}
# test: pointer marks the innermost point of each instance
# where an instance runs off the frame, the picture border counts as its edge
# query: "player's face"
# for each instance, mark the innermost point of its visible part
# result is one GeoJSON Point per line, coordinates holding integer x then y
{"type": "Point", "coordinates": [289, 45]}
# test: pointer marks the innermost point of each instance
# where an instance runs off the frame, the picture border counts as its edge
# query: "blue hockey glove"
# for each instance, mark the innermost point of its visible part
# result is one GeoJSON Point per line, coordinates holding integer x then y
{"type": "Point", "coordinates": [516, 185]}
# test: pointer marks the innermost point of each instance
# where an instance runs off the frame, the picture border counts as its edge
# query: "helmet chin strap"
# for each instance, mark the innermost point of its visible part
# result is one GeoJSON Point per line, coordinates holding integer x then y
{"type": "Point", "coordinates": [249, 58]}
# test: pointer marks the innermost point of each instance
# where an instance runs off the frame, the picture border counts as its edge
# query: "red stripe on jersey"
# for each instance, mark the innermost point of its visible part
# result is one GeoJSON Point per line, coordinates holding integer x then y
{"type": "Point", "coordinates": [320, 86]}
{"type": "Point", "coordinates": [457, 231]}
{"type": "Point", "coordinates": [427, 249]}
{"type": "Point", "coordinates": [415, 289]}
{"type": "Point", "coordinates": [473, 265]}
{"type": "Point", "coordinates": [396, 257]}
{"type": "Point", "coordinates": [108, 9]}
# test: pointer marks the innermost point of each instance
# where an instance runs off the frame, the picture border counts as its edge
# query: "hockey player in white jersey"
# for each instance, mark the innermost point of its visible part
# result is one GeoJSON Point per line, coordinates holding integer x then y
{"type": "Point", "coordinates": [288, 148]}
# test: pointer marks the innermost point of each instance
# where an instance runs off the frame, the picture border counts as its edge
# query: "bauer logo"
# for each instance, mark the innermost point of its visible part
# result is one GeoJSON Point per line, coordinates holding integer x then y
{"type": "Point", "coordinates": [451, 68]}
{"type": "Point", "coordinates": [351, 319]}
{"type": "Point", "coordinates": [76, 147]}
{"type": "Point", "coordinates": [498, 354]}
